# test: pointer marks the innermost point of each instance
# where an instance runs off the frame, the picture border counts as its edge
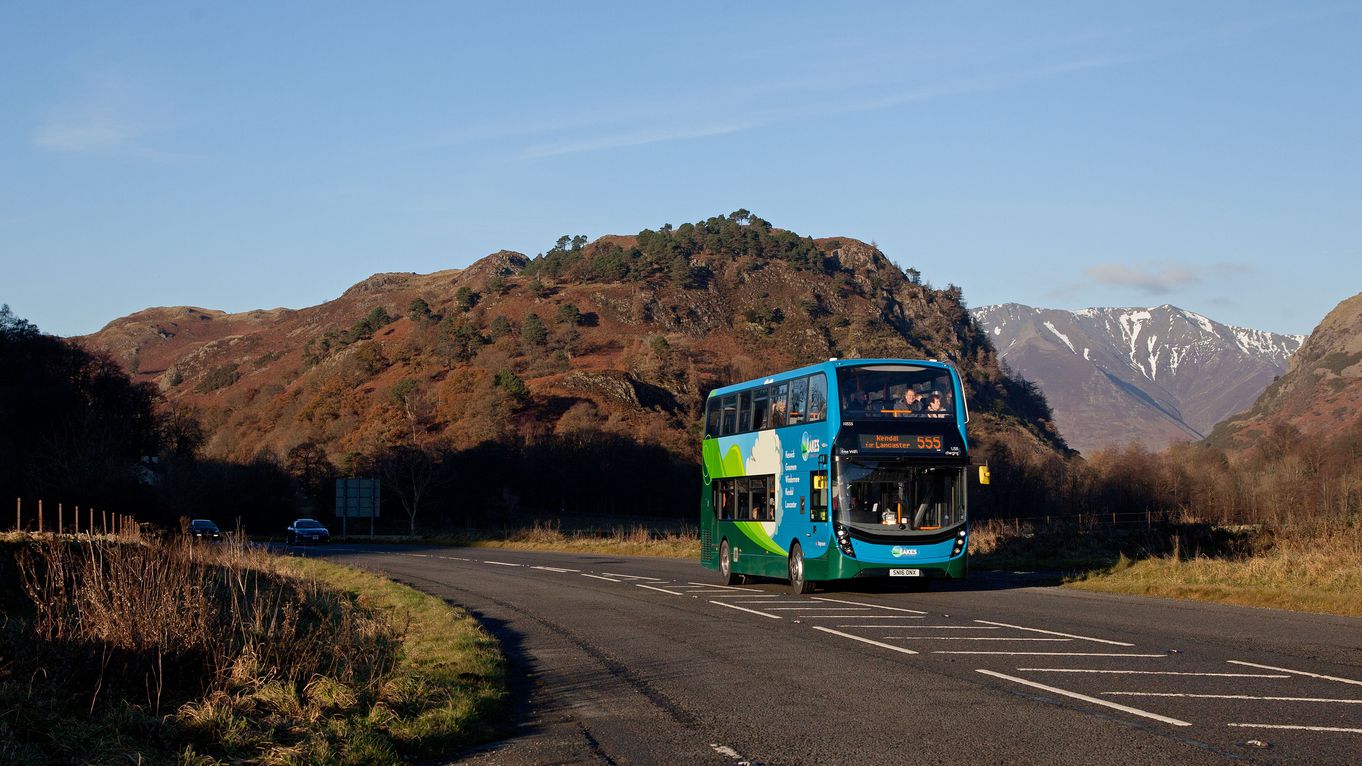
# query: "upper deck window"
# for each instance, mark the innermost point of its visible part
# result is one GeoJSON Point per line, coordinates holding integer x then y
{"type": "Point", "coordinates": [896, 391]}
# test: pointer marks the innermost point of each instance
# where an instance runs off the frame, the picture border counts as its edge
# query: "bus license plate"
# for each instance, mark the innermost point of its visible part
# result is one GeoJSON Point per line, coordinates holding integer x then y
{"type": "Point", "coordinates": [905, 573]}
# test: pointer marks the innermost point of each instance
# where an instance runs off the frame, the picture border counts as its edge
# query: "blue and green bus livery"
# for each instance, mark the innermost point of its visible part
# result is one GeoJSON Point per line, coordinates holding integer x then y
{"type": "Point", "coordinates": [843, 469]}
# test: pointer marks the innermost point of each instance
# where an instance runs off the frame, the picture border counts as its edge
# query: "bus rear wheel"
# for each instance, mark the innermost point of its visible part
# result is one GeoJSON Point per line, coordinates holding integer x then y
{"type": "Point", "coordinates": [796, 565]}
{"type": "Point", "coordinates": [726, 565]}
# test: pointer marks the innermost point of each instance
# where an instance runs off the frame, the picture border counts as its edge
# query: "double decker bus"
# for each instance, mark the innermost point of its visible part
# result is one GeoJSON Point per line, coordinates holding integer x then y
{"type": "Point", "coordinates": [843, 469]}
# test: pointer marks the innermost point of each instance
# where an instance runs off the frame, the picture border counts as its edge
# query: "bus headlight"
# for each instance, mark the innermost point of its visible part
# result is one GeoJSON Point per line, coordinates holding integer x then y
{"type": "Point", "coordinates": [959, 544]}
{"type": "Point", "coordinates": [844, 540]}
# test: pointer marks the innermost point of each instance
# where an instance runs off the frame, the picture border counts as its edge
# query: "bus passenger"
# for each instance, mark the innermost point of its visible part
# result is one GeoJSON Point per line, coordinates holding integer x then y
{"type": "Point", "coordinates": [911, 403]}
{"type": "Point", "coordinates": [855, 404]}
{"type": "Point", "coordinates": [934, 403]}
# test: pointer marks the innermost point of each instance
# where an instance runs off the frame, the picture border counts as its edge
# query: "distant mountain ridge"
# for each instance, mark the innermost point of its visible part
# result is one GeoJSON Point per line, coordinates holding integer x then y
{"type": "Point", "coordinates": [1153, 376]}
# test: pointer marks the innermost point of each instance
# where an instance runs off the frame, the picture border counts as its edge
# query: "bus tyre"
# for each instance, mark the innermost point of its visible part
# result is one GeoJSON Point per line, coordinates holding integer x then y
{"type": "Point", "coordinates": [797, 582]}
{"type": "Point", "coordinates": [726, 565]}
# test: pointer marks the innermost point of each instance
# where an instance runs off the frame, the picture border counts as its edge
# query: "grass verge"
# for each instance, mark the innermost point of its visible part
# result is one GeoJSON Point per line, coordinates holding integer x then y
{"type": "Point", "coordinates": [637, 540]}
{"type": "Point", "coordinates": [1315, 568]}
{"type": "Point", "coordinates": [166, 652]}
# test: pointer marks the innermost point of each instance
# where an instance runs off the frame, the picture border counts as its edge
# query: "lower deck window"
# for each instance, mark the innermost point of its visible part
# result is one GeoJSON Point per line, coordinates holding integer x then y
{"type": "Point", "coordinates": [750, 498]}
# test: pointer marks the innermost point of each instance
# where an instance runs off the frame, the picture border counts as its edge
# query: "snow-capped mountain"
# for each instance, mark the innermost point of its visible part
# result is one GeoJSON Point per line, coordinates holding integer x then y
{"type": "Point", "coordinates": [1153, 376]}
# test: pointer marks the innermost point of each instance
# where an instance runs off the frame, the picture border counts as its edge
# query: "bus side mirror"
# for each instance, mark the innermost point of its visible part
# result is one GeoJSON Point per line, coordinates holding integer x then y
{"type": "Point", "coordinates": [983, 474]}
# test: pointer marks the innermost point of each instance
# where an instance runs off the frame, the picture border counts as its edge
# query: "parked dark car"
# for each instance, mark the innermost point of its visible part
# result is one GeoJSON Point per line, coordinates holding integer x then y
{"type": "Point", "coordinates": [204, 529]}
{"type": "Point", "coordinates": [305, 531]}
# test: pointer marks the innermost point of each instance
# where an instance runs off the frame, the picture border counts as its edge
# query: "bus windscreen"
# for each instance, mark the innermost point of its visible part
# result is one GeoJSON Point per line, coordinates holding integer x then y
{"type": "Point", "coordinates": [896, 391]}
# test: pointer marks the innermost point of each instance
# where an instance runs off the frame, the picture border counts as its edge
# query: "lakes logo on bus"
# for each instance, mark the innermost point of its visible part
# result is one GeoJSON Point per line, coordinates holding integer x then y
{"type": "Point", "coordinates": [899, 551]}
{"type": "Point", "coordinates": [808, 445]}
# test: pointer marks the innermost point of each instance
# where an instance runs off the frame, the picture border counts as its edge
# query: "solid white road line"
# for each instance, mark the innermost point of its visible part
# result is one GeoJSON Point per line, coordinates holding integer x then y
{"type": "Point", "coordinates": [1054, 654]}
{"type": "Point", "coordinates": [805, 603]}
{"type": "Point", "coordinates": [1054, 633]}
{"type": "Point", "coordinates": [1296, 672]}
{"type": "Point", "coordinates": [722, 587]}
{"type": "Point", "coordinates": [502, 563]}
{"type": "Point", "coordinates": [659, 590]}
{"type": "Point", "coordinates": [1148, 672]}
{"type": "Point", "coordinates": [633, 577]}
{"type": "Point", "coordinates": [951, 627]}
{"type": "Point", "coordinates": [872, 606]}
{"type": "Point", "coordinates": [745, 609]}
{"type": "Point", "coordinates": [1235, 697]}
{"type": "Point", "coordinates": [900, 649]}
{"type": "Point", "coordinates": [1298, 728]}
{"type": "Point", "coordinates": [453, 558]}
{"type": "Point", "coordinates": [969, 638]}
{"type": "Point", "coordinates": [556, 569]}
{"type": "Point", "coordinates": [598, 577]}
{"type": "Point", "coordinates": [807, 608]}
{"type": "Point", "coordinates": [1086, 698]}
{"type": "Point", "coordinates": [732, 595]}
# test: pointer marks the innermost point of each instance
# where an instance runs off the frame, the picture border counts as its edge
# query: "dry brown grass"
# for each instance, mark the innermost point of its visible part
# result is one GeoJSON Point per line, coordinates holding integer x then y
{"type": "Point", "coordinates": [633, 540]}
{"type": "Point", "coordinates": [174, 652]}
{"type": "Point", "coordinates": [1314, 569]}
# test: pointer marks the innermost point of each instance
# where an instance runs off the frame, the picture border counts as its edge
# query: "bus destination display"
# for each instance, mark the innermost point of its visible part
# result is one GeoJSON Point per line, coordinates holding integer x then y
{"type": "Point", "coordinates": [901, 442]}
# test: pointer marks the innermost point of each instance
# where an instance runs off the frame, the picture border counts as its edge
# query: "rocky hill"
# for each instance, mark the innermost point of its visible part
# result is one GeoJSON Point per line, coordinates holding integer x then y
{"type": "Point", "coordinates": [625, 335]}
{"type": "Point", "coordinates": [1321, 393]}
{"type": "Point", "coordinates": [1153, 376]}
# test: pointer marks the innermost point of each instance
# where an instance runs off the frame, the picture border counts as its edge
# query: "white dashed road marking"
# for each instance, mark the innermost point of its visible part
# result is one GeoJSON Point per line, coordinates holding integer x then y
{"type": "Point", "coordinates": [871, 606]}
{"type": "Point", "coordinates": [632, 577]}
{"type": "Point", "coordinates": [969, 638]}
{"type": "Point", "coordinates": [659, 590]}
{"type": "Point", "coordinates": [598, 577]}
{"type": "Point", "coordinates": [1149, 672]}
{"type": "Point", "coordinates": [882, 645]}
{"type": "Point", "coordinates": [1235, 697]}
{"type": "Point", "coordinates": [745, 609]}
{"type": "Point", "coordinates": [1056, 654]}
{"type": "Point", "coordinates": [1296, 672]}
{"type": "Point", "coordinates": [723, 587]}
{"type": "Point", "coordinates": [502, 563]}
{"type": "Point", "coordinates": [556, 569]}
{"type": "Point", "coordinates": [1299, 728]}
{"type": "Point", "coordinates": [1054, 633]}
{"type": "Point", "coordinates": [1086, 698]}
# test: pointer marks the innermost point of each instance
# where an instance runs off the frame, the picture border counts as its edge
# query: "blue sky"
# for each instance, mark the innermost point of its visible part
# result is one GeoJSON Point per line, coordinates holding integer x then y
{"type": "Point", "coordinates": [252, 155]}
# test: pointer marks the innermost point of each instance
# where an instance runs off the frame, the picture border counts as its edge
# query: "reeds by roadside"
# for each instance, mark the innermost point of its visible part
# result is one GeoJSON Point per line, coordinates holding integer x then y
{"type": "Point", "coordinates": [197, 653]}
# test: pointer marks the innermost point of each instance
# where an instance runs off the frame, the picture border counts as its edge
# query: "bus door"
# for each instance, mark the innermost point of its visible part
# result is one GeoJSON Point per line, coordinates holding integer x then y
{"type": "Point", "coordinates": [818, 507]}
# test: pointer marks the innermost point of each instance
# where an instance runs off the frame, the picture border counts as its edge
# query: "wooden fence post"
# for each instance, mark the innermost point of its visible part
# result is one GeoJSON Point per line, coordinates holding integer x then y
{"type": "Point", "coordinates": [60, 519]}
{"type": "Point", "coordinates": [18, 513]}
{"type": "Point", "coordinates": [90, 528]}
{"type": "Point", "coordinates": [104, 522]}
{"type": "Point", "coordinates": [40, 517]}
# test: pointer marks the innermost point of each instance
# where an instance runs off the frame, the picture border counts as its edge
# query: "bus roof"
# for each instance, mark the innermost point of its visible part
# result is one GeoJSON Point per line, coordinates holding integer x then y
{"type": "Point", "coordinates": [828, 366]}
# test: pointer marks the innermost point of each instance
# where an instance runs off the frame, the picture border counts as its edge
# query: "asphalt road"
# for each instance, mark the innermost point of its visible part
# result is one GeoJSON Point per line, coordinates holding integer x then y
{"type": "Point", "coordinates": [623, 660]}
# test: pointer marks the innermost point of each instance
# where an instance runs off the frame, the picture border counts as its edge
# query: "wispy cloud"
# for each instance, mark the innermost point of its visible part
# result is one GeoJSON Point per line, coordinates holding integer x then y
{"type": "Point", "coordinates": [107, 116]}
{"type": "Point", "coordinates": [1150, 281]}
{"type": "Point", "coordinates": [978, 84]}
{"type": "Point", "coordinates": [636, 138]}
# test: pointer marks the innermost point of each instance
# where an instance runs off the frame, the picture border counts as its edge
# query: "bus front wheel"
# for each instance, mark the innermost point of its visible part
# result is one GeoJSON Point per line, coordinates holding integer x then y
{"type": "Point", "coordinates": [797, 582]}
{"type": "Point", "coordinates": [726, 565]}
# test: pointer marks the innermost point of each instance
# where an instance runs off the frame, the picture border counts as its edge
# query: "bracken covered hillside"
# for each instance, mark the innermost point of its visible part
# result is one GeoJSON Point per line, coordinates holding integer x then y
{"type": "Point", "coordinates": [625, 334]}
{"type": "Point", "coordinates": [1321, 392]}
